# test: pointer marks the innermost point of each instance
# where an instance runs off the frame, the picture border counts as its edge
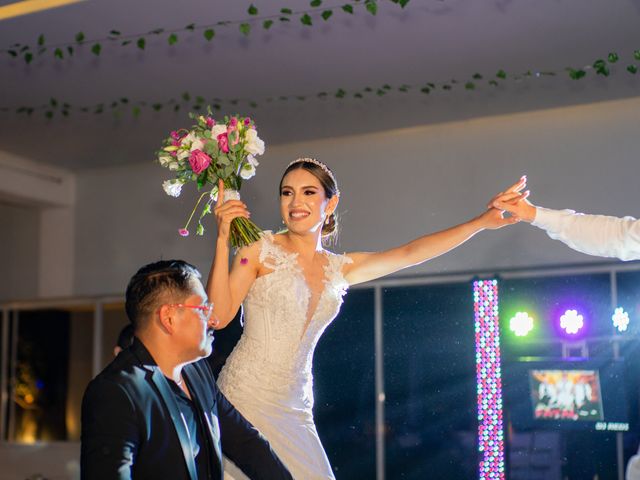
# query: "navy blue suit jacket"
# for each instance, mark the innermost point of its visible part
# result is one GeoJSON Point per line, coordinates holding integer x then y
{"type": "Point", "coordinates": [132, 427]}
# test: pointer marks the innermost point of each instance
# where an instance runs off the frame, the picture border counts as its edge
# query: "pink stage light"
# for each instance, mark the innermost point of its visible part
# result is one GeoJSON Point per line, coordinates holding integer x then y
{"type": "Point", "coordinates": [489, 380]}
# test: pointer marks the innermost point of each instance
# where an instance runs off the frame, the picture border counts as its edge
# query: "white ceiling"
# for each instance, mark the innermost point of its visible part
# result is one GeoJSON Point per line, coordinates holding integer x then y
{"type": "Point", "coordinates": [428, 41]}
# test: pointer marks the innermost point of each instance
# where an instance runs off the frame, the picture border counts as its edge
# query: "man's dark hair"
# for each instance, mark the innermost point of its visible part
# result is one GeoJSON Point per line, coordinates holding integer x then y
{"type": "Point", "coordinates": [125, 337]}
{"type": "Point", "coordinates": [149, 285]}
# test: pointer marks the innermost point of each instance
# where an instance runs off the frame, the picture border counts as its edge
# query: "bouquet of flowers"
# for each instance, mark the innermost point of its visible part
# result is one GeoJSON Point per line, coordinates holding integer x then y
{"type": "Point", "coordinates": [208, 152]}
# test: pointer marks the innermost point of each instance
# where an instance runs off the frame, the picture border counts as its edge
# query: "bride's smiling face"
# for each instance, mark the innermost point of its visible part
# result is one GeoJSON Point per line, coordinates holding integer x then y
{"type": "Point", "coordinates": [303, 202]}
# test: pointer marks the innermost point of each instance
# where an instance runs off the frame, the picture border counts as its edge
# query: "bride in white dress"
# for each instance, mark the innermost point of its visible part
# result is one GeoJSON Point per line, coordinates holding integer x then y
{"type": "Point", "coordinates": [291, 288]}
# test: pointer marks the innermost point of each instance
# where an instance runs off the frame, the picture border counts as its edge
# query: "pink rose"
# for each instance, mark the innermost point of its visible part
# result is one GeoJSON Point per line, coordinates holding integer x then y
{"type": "Point", "coordinates": [223, 142]}
{"type": "Point", "coordinates": [177, 138]}
{"type": "Point", "coordinates": [233, 122]}
{"type": "Point", "coordinates": [184, 232]}
{"type": "Point", "coordinates": [233, 129]}
{"type": "Point", "coordinates": [199, 161]}
{"type": "Point", "coordinates": [210, 122]}
{"type": "Point", "coordinates": [247, 122]}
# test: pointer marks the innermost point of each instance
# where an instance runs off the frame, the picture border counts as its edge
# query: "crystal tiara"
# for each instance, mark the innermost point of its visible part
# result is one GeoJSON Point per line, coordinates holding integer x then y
{"type": "Point", "coordinates": [326, 169]}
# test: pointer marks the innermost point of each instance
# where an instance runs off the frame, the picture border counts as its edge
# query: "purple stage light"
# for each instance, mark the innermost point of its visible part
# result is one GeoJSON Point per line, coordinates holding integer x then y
{"type": "Point", "coordinates": [571, 322]}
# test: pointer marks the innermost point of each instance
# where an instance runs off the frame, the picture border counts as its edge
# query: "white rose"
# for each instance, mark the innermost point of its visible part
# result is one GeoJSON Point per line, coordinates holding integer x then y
{"type": "Point", "coordinates": [173, 166]}
{"type": "Point", "coordinates": [252, 160]}
{"type": "Point", "coordinates": [247, 171]}
{"type": "Point", "coordinates": [197, 145]}
{"type": "Point", "coordinates": [172, 187]}
{"type": "Point", "coordinates": [217, 130]}
{"type": "Point", "coordinates": [188, 139]}
{"type": "Point", "coordinates": [165, 160]}
{"type": "Point", "coordinates": [182, 154]}
{"type": "Point", "coordinates": [255, 146]}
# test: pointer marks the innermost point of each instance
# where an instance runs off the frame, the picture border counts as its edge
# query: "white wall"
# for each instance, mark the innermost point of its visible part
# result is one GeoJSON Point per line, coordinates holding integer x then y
{"type": "Point", "coordinates": [19, 233]}
{"type": "Point", "coordinates": [395, 185]}
{"type": "Point", "coordinates": [37, 229]}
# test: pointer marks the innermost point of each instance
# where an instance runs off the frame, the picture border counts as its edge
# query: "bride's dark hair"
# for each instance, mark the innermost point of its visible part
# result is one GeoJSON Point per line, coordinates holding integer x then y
{"type": "Point", "coordinates": [328, 182]}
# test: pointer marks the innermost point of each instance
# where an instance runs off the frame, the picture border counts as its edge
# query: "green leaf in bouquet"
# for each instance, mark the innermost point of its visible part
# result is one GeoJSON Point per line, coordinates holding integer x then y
{"type": "Point", "coordinates": [199, 229]}
{"type": "Point", "coordinates": [223, 160]}
{"type": "Point", "coordinates": [202, 179]}
{"type": "Point", "coordinates": [227, 171]}
{"type": "Point", "coordinates": [206, 210]}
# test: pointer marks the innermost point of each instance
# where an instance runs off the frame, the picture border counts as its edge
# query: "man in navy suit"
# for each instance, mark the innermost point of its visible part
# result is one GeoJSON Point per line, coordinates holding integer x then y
{"type": "Point", "coordinates": [155, 412]}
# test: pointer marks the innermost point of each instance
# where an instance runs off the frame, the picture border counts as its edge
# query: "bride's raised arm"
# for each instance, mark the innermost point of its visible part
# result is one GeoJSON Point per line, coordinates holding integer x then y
{"type": "Point", "coordinates": [369, 266]}
{"type": "Point", "coordinates": [227, 289]}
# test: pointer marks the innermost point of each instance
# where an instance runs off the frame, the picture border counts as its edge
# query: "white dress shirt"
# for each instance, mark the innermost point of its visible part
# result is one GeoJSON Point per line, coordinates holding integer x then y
{"type": "Point", "coordinates": [593, 234]}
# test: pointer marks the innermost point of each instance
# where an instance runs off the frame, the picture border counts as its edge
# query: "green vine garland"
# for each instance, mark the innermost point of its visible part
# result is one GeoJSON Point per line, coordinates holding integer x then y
{"type": "Point", "coordinates": [186, 100]}
{"type": "Point", "coordinates": [139, 40]}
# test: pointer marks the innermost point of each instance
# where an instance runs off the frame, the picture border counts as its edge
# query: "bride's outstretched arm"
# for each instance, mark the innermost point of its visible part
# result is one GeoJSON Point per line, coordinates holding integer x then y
{"type": "Point", "coordinates": [226, 289]}
{"type": "Point", "coordinates": [369, 266]}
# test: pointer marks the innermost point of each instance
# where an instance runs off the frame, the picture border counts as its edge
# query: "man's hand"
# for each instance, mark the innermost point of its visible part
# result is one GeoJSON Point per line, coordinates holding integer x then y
{"type": "Point", "coordinates": [514, 201]}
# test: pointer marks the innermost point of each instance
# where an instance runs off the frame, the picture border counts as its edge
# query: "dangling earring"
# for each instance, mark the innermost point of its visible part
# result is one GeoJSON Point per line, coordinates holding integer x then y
{"type": "Point", "coordinates": [326, 220]}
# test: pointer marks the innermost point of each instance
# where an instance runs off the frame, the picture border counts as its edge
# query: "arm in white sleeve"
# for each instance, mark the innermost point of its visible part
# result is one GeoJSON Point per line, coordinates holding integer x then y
{"type": "Point", "coordinates": [633, 468]}
{"type": "Point", "coordinates": [593, 234]}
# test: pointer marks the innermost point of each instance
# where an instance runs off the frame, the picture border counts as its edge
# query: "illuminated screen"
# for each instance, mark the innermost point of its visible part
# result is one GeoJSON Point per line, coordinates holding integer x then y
{"type": "Point", "coordinates": [566, 395]}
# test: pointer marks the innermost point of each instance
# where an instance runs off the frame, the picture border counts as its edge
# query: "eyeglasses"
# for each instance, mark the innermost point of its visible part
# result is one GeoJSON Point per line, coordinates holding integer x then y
{"type": "Point", "coordinates": [206, 309]}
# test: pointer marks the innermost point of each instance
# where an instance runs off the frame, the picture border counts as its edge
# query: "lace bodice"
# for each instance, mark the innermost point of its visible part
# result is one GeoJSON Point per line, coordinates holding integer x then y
{"type": "Point", "coordinates": [279, 338]}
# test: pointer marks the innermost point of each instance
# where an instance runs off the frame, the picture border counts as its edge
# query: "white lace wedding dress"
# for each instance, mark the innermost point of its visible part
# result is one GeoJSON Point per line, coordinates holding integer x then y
{"type": "Point", "coordinates": [268, 375]}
